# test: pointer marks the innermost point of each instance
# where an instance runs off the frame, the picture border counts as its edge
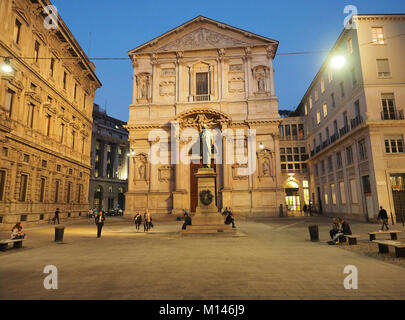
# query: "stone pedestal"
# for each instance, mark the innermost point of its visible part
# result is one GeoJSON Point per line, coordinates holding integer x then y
{"type": "Point", "coordinates": [207, 219]}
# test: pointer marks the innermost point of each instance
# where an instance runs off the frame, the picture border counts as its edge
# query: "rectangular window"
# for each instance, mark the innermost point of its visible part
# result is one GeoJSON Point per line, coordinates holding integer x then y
{"type": "Point", "coordinates": [79, 193]}
{"type": "Point", "coordinates": [354, 79]}
{"type": "Point", "coordinates": [316, 170]}
{"type": "Point", "coordinates": [52, 67]}
{"type": "Point", "coordinates": [287, 130]}
{"type": "Point", "coordinates": [23, 188]}
{"type": "Point", "coordinates": [30, 119]}
{"type": "Point", "coordinates": [349, 155]}
{"type": "Point", "coordinates": [316, 94]}
{"type": "Point", "coordinates": [330, 75]}
{"type": "Point", "coordinates": [310, 102]}
{"type": "Point", "coordinates": [57, 184]}
{"type": "Point", "coordinates": [75, 91]}
{"type": "Point", "coordinates": [42, 190]}
{"type": "Point", "coordinates": [62, 132]}
{"type": "Point", "coordinates": [342, 89]}
{"type": "Point", "coordinates": [48, 125]}
{"type": "Point", "coordinates": [73, 139]}
{"type": "Point", "coordinates": [353, 189]}
{"type": "Point", "coordinates": [322, 85]}
{"type": "Point", "coordinates": [84, 101]}
{"type": "Point", "coordinates": [332, 97]}
{"type": "Point", "coordinates": [69, 191]}
{"type": "Point", "coordinates": [10, 94]}
{"type": "Point", "coordinates": [394, 146]}
{"type": "Point", "coordinates": [306, 109]}
{"type": "Point", "coordinates": [350, 45]}
{"type": "Point", "coordinates": [17, 31]}
{"type": "Point", "coordinates": [202, 83]}
{"type": "Point", "coordinates": [36, 51]}
{"type": "Point", "coordinates": [323, 167]}
{"type": "Point", "coordinates": [64, 79]}
{"type": "Point", "coordinates": [362, 149]}
{"type": "Point", "coordinates": [318, 117]}
{"type": "Point", "coordinates": [339, 162]}
{"type": "Point", "coordinates": [388, 104]}
{"type": "Point", "coordinates": [383, 68]}
{"type": "Point", "coordinates": [333, 192]}
{"type": "Point", "coordinates": [325, 190]}
{"type": "Point", "coordinates": [342, 192]}
{"type": "Point", "coordinates": [2, 184]}
{"type": "Point", "coordinates": [325, 110]}
{"type": "Point", "coordinates": [330, 164]}
{"type": "Point", "coordinates": [378, 35]}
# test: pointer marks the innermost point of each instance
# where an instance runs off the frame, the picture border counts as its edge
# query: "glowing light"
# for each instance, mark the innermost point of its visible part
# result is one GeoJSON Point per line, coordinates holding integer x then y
{"type": "Point", "coordinates": [338, 62]}
{"type": "Point", "coordinates": [6, 67]}
{"type": "Point", "coordinates": [261, 146]}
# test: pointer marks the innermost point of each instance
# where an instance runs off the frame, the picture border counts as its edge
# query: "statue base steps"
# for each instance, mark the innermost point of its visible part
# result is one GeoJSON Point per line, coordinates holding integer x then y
{"type": "Point", "coordinates": [209, 229]}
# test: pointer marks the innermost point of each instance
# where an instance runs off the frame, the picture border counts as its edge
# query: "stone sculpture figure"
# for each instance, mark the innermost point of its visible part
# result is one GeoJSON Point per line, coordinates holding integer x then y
{"type": "Point", "coordinates": [206, 146]}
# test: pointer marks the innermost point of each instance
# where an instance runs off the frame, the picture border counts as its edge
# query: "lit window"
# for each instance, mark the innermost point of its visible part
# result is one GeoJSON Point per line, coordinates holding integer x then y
{"type": "Point", "coordinates": [36, 51]}
{"type": "Point", "coordinates": [306, 109]}
{"type": "Point", "coordinates": [378, 35]}
{"type": "Point", "coordinates": [318, 117]}
{"type": "Point", "coordinates": [322, 85]}
{"type": "Point", "coordinates": [325, 110]}
{"type": "Point", "coordinates": [342, 192]}
{"type": "Point", "coordinates": [310, 102]}
{"type": "Point", "coordinates": [394, 146]}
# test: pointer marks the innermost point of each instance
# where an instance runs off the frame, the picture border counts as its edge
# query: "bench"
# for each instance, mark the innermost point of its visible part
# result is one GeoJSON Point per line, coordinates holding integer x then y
{"type": "Point", "coordinates": [17, 243]}
{"type": "Point", "coordinates": [384, 244]}
{"type": "Point", "coordinates": [352, 238]}
{"type": "Point", "coordinates": [393, 234]}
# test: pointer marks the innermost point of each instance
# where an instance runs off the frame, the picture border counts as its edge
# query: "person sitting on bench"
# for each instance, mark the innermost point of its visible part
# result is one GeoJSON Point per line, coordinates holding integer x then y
{"type": "Point", "coordinates": [16, 232]}
{"type": "Point", "coordinates": [230, 219]}
{"type": "Point", "coordinates": [187, 220]}
{"type": "Point", "coordinates": [335, 228]}
{"type": "Point", "coordinates": [343, 230]}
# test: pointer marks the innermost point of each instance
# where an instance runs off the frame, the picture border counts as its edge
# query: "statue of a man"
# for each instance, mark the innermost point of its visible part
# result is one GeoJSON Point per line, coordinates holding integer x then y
{"type": "Point", "coordinates": [206, 146]}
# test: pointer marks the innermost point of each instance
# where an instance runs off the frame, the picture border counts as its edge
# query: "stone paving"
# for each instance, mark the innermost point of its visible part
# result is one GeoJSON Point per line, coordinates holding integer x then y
{"type": "Point", "coordinates": [265, 259]}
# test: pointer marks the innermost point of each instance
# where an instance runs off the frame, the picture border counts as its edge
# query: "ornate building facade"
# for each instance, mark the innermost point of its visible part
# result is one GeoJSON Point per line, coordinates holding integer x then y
{"type": "Point", "coordinates": [109, 160]}
{"type": "Point", "coordinates": [204, 72]}
{"type": "Point", "coordinates": [46, 105]}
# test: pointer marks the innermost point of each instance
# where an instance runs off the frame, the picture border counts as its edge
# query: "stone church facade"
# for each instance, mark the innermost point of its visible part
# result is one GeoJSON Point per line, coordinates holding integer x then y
{"type": "Point", "coordinates": [204, 72]}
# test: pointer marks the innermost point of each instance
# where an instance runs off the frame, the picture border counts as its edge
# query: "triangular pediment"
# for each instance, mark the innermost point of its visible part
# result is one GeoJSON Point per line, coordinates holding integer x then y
{"type": "Point", "coordinates": [202, 33]}
{"type": "Point", "coordinates": [202, 38]}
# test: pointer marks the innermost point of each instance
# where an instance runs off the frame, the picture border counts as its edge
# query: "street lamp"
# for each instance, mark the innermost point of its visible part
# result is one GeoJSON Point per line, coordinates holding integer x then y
{"type": "Point", "coordinates": [337, 62]}
{"type": "Point", "coordinates": [6, 67]}
{"type": "Point", "coordinates": [261, 146]}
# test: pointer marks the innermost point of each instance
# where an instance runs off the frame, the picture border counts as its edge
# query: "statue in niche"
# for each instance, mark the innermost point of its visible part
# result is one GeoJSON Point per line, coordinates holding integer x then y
{"type": "Point", "coordinates": [142, 172]}
{"type": "Point", "coordinates": [260, 84]}
{"type": "Point", "coordinates": [206, 146]}
{"type": "Point", "coordinates": [143, 90]}
{"type": "Point", "coordinates": [266, 169]}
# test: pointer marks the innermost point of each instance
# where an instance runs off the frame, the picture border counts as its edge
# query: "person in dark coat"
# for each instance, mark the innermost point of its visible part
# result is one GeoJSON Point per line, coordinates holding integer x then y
{"type": "Point", "coordinates": [344, 229]}
{"type": "Point", "coordinates": [100, 218]}
{"type": "Point", "coordinates": [335, 228]}
{"type": "Point", "coordinates": [56, 216]}
{"type": "Point", "coordinates": [187, 220]}
{"type": "Point", "coordinates": [138, 220]}
{"type": "Point", "coordinates": [382, 215]}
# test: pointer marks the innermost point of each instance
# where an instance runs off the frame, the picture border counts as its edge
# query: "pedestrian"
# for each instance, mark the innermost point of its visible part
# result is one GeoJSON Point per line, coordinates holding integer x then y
{"type": "Point", "coordinates": [138, 220]}
{"type": "Point", "coordinates": [148, 220]}
{"type": "Point", "coordinates": [100, 218]}
{"type": "Point", "coordinates": [145, 222]}
{"type": "Point", "coordinates": [305, 208]}
{"type": "Point", "coordinates": [382, 215]}
{"type": "Point", "coordinates": [56, 216]}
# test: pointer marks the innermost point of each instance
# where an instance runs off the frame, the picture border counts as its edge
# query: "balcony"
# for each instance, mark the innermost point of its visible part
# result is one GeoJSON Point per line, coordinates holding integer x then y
{"type": "Point", "coordinates": [325, 143]}
{"type": "Point", "coordinates": [312, 153]}
{"type": "Point", "coordinates": [356, 121]}
{"type": "Point", "coordinates": [392, 115]}
{"type": "Point", "coordinates": [334, 137]}
{"type": "Point", "coordinates": [344, 130]}
{"type": "Point", "coordinates": [202, 97]}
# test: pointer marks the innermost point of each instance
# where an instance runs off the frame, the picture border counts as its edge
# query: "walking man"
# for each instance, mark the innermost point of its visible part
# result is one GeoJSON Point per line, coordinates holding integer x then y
{"type": "Point", "coordinates": [100, 223]}
{"type": "Point", "coordinates": [56, 217]}
{"type": "Point", "coordinates": [382, 215]}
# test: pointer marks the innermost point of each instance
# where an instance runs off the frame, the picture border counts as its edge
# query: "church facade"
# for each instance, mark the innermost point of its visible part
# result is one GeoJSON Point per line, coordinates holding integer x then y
{"type": "Point", "coordinates": [204, 73]}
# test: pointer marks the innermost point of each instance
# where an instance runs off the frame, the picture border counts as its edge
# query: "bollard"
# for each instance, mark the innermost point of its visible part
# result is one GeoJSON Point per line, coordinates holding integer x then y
{"type": "Point", "coordinates": [314, 233]}
{"type": "Point", "coordinates": [59, 233]}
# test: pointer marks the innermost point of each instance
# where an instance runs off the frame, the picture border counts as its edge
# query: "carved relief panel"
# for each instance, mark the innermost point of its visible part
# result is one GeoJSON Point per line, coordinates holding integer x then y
{"type": "Point", "coordinates": [236, 78]}
{"type": "Point", "coordinates": [141, 167]}
{"type": "Point", "coordinates": [167, 84]}
{"type": "Point", "coordinates": [165, 173]}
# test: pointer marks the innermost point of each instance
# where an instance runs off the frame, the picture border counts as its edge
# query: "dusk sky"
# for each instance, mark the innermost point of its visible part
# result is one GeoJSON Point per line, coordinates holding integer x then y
{"type": "Point", "coordinates": [119, 26]}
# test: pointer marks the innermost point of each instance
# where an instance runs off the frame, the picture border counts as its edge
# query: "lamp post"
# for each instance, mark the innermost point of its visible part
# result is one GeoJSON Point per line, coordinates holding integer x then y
{"type": "Point", "coordinates": [6, 67]}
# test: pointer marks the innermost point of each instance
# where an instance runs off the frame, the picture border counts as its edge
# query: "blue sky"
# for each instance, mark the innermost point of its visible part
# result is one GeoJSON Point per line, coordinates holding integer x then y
{"type": "Point", "coordinates": [119, 26]}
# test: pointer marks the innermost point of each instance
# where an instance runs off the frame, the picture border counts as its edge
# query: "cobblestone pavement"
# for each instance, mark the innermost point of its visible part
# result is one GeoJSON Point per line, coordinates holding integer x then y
{"type": "Point", "coordinates": [265, 259]}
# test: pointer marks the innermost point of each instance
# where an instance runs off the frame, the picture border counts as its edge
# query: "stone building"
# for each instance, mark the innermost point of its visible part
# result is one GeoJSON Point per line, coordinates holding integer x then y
{"type": "Point", "coordinates": [109, 159]}
{"type": "Point", "coordinates": [46, 105]}
{"type": "Point", "coordinates": [204, 72]}
{"type": "Point", "coordinates": [354, 119]}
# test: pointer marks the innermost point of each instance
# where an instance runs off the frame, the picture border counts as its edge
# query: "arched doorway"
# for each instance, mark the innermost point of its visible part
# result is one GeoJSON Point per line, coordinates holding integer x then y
{"type": "Point", "coordinates": [98, 198]}
{"type": "Point", "coordinates": [292, 197]}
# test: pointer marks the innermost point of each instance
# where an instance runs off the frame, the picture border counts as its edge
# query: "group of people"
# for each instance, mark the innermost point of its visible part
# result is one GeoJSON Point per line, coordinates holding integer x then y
{"type": "Point", "coordinates": [147, 221]}
{"type": "Point", "coordinates": [17, 232]}
{"type": "Point", "coordinates": [339, 229]}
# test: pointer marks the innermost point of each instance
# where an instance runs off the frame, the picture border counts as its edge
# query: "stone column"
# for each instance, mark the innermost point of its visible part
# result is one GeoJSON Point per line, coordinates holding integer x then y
{"type": "Point", "coordinates": [116, 158]}
{"type": "Point", "coordinates": [104, 163]}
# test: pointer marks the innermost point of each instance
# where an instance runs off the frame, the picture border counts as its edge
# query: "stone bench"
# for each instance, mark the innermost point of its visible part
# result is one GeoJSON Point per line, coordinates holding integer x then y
{"type": "Point", "coordinates": [384, 244]}
{"type": "Point", "coordinates": [393, 233]}
{"type": "Point", "coordinates": [17, 243]}
{"type": "Point", "coordinates": [352, 238]}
